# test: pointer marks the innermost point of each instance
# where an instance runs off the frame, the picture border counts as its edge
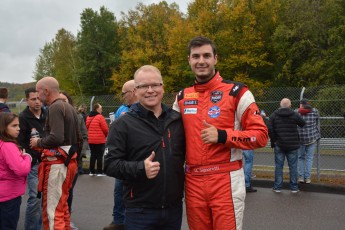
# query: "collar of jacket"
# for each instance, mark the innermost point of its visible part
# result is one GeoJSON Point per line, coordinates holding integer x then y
{"type": "Point", "coordinates": [201, 87]}
{"type": "Point", "coordinates": [28, 114]}
{"type": "Point", "coordinates": [138, 109]}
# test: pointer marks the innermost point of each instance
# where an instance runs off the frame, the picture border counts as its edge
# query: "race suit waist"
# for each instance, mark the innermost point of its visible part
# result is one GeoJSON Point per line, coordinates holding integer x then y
{"type": "Point", "coordinates": [213, 169]}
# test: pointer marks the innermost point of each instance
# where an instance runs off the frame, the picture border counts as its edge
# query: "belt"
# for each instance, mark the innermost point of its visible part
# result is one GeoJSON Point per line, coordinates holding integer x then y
{"type": "Point", "coordinates": [213, 169]}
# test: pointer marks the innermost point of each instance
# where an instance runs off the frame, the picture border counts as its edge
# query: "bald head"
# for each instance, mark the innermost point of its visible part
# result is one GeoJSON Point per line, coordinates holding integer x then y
{"type": "Point", "coordinates": [285, 103]}
{"type": "Point", "coordinates": [48, 90]}
{"type": "Point", "coordinates": [128, 86]}
{"type": "Point", "coordinates": [128, 92]}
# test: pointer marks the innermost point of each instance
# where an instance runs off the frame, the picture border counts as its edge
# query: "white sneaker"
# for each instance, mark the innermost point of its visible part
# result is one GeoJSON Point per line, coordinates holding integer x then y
{"type": "Point", "coordinates": [276, 190]}
{"type": "Point", "coordinates": [99, 174]}
{"type": "Point", "coordinates": [307, 181]}
{"type": "Point", "coordinates": [73, 227]}
{"type": "Point", "coordinates": [91, 174]}
{"type": "Point", "coordinates": [294, 191]}
{"type": "Point", "coordinates": [301, 180]}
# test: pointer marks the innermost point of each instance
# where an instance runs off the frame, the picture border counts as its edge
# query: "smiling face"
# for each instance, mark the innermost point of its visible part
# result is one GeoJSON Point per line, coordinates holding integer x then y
{"type": "Point", "coordinates": [202, 62]}
{"type": "Point", "coordinates": [13, 128]}
{"type": "Point", "coordinates": [149, 89]}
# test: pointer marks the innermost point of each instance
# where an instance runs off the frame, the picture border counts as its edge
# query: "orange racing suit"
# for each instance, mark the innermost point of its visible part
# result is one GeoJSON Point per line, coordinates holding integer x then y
{"type": "Point", "coordinates": [215, 189]}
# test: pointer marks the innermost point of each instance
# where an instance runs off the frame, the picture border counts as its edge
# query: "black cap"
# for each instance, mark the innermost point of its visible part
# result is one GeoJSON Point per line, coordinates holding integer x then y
{"type": "Point", "coordinates": [304, 101]}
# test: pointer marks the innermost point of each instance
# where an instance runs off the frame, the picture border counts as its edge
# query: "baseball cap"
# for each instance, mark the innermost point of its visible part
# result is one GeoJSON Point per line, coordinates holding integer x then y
{"type": "Point", "coordinates": [304, 101]}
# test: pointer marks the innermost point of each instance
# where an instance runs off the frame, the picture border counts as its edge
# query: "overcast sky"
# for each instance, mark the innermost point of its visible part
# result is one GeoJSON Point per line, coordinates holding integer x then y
{"type": "Point", "coordinates": [26, 25]}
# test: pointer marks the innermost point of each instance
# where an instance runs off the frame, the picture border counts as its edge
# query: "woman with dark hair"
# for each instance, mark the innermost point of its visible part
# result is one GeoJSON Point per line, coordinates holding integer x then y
{"type": "Point", "coordinates": [98, 131]}
{"type": "Point", "coordinates": [15, 165]}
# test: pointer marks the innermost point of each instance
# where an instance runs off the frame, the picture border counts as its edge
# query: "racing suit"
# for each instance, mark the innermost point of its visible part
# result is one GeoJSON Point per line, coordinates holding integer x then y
{"type": "Point", "coordinates": [57, 169]}
{"type": "Point", "coordinates": [215, 189]}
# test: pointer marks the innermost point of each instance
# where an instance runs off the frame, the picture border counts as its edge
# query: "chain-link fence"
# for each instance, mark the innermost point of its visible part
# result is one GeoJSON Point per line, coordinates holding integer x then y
{"type": "Point", "coordinates": [329, 160]}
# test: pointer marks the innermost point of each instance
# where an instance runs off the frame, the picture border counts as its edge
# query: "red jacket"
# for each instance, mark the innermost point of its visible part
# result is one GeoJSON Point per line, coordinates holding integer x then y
{"type": "Point", "coordinates": [228, 106]}
{"type": "Point", "coordinates": [97, 128]}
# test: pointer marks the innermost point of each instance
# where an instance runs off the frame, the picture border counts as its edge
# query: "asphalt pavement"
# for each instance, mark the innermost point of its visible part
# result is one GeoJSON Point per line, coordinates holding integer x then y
{"type": "Point", "coordinates": [315, 207]}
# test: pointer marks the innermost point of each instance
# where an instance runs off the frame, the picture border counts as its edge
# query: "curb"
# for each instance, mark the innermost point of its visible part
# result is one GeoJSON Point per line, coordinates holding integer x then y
{"type": "Point", "coordinates": [313, 187]}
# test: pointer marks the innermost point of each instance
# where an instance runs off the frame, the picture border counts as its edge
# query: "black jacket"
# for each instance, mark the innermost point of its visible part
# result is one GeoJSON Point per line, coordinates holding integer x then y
{"type": "Point", "coordinates": [4, 108]}
{"type": "Point", "coordinates": [131, 139]}
{"type": "Point", "coordinates": [282, 129]}
{"type": "Point", "coordinates": [27, 121]}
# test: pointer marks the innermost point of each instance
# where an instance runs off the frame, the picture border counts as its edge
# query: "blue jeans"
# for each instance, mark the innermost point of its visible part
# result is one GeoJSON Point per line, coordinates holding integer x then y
{"type": "Point", "coordinates": [33, 213]}
{"type": "Point", "coordinates": [248, 156]}
{"type": "Point", "coordinates": [119, 209]}
{"type": "Point", "coordinates": [154, 219]}
{"type": "Point", "coordinates": [9, 213]}
{"type": "Point", "coordinates": [305, 160]}
{"type": "Point", "coordinates": [292, 159]}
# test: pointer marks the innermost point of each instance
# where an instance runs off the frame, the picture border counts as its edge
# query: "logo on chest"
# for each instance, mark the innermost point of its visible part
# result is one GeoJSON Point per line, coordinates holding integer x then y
{"type": "Point", "coordinates": [190, 111]}
{"type": "Point", "coordinates": [214, 112]}
{"type": "Point", "coordinates": [190, 102]}
{"type": "Point", "coordinates": [216, 96]}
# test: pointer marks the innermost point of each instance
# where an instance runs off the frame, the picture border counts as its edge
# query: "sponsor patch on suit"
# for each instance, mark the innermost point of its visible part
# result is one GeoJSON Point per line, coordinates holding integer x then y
{"type": "Point", "coordinates": [190, 111]}
{"type": "Point", "coordinates": [216, 96]}
{"type": "Point", "coordinates": [191, 102]}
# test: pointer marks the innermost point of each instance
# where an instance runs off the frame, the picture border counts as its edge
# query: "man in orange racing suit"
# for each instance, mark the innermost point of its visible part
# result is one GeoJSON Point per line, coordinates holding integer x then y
{"type": "Point", "coordinates": [220, 118]}
{"type": "Point", "coordinates": [57, 169]}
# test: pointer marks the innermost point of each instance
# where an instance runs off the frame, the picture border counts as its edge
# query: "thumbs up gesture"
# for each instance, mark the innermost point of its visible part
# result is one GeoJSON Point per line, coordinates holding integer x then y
{"type": "Point", "coordinates": [151, 168]}
{"type": "Point", "coordinates": [209, 134]}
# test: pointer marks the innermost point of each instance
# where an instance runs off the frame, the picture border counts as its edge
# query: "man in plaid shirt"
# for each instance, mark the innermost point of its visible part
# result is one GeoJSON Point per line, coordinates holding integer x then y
{"type": "Point", "coordinates": [309, 134]}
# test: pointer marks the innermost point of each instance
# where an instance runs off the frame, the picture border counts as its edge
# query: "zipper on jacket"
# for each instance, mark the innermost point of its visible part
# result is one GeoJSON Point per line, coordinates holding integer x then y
{"type": "Point", "coordinates": [164, 173]}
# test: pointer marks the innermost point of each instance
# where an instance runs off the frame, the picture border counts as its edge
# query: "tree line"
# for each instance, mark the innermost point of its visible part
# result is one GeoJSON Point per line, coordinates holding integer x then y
{"type": "Point", "coordinates": [263, 43]}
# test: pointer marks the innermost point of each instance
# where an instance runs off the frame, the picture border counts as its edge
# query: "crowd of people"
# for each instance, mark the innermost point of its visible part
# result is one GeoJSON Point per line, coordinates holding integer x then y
{"type": "Point", "coordinates": [158, 155]}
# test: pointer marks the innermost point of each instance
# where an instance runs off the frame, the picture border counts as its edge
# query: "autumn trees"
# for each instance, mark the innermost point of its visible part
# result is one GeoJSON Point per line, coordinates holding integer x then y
{"type": "Point", "coordinates": [260, 42]}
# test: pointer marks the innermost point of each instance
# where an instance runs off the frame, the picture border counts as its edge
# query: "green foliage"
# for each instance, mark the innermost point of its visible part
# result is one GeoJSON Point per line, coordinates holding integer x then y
{"type": "Point", "coordinates": [97, 51]}
{"type": "Point", "coordinates": [262, 43]}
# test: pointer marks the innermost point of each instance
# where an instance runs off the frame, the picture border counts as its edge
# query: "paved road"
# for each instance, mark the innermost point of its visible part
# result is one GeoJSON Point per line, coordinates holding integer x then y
{"type": "Point", "coordinates": [265, 210]}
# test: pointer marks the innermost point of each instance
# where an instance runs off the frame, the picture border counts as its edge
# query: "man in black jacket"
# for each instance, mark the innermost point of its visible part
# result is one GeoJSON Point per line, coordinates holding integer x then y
{"type": "Point", "coordinates": [282, 129]}
{"type": "Point", "coordinates": [32, 117]}
{"type": "Point", "coordinates": [146, 149]}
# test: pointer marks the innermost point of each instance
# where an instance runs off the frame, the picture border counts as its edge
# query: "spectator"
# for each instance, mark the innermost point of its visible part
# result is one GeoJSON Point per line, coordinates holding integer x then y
{"type": "Point", "coordinates": [33, 117]}
{"type": "Point", "coordinates": [309, 135]}
{"type": "Point", "coordinates": [129, 98]}
{"type": "Point", "coordinates": [248, 156]}
{"type": "Point", "coordinates": [15, 165]}
{"type": "Point", "coordinates": [220, 118]}
{"type": "Point", "coordinates": [58, 166]}
{"type": "Point", "coordinates": [98, 131]}
{"type": "Point", "coordinates": [282, 129]}
{"type": "Point", "coordinates": [83, 132]}
{"type": "Point", "coordinates": [146, 149]}
{"type": "Point", "coordinates": [82, 110]}
{"type": "Point", "coordinates": [3, 99]}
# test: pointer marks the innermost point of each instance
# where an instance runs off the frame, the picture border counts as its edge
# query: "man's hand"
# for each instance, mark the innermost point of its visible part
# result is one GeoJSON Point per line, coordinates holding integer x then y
{"type": "Point", "coordinates": [33, 142]}
{"type": "Point", "coordinates": [151, 168]}
{"type": "Point", "coordinates": [209, 134]}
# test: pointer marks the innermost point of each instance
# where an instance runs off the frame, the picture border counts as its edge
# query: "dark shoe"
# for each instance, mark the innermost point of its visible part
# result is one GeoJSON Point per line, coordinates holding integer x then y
{"type": "Point", "coordinates": [113, 226]}
{"type": "Point", "coordinates": [251, 189]}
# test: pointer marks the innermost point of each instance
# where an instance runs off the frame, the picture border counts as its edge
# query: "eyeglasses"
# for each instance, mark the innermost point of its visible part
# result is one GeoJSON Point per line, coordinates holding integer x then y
{"type": "Point", "coordinates": [124, 93]}
{"type": "Point", "coordinates": [154, 86]}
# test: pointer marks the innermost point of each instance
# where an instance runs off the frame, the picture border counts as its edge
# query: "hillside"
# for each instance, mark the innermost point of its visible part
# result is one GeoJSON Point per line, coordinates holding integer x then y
{"type": "Point", "coordinates": [16, 91]}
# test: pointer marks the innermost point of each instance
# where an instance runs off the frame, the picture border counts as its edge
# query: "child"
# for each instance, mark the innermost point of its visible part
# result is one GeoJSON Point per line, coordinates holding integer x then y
{"type": "Point", "coordinates": [15, 165]}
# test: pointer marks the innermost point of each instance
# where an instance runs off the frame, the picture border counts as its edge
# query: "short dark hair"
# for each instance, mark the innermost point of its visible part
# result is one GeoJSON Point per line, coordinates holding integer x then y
{"type": "Point", "coordinates": [3, 92]}
{"type": "Point", "coordinates": [200, 41]}
{"type": "Point", "coordinates": [28, 91]}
